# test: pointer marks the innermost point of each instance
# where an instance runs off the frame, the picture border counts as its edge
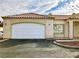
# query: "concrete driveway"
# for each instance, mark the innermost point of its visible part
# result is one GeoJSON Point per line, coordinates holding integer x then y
{"type": "Point", "coordinates": [34, 49]}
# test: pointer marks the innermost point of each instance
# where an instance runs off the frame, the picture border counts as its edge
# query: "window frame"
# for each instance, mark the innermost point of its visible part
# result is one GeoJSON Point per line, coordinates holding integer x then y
{"type": "Point", "coordinates": [62, 28]}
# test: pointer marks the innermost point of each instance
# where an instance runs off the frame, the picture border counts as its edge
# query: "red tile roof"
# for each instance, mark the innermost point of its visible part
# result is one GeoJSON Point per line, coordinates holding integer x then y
{"type": "Point", "coordinates": [61, 16]}
{"type": "Point", "coordinates": [38, 16]}
{"type": "Point", "coordinates": [74, 16]}
{"type": "Point", "coordinates": [28, 15]}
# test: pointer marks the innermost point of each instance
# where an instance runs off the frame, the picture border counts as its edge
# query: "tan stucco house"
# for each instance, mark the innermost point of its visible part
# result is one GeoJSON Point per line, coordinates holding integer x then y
{"type": "Point", "coordinates": [36, 26]}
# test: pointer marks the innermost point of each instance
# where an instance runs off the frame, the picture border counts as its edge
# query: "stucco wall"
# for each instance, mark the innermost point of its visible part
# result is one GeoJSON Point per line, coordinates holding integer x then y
{"type": "Point", "coordinates": [6, 29]}
{"type": "Point", "coordinates": [49, 33]}
{"type": "Point", "coordinates": [49, 28]}
{"type": "Point", "coordinates": [65, 34]}
{"type": "Point", "coordinates": [9, 22]}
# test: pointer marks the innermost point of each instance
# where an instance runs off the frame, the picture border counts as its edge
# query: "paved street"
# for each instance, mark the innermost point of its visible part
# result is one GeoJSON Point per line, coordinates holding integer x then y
{"type": "Point", "coordinates": [34, 49]}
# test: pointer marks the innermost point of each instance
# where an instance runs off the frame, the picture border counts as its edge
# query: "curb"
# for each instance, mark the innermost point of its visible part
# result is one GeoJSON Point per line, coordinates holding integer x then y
{"type": "Point", "coordinates": [65, 46]}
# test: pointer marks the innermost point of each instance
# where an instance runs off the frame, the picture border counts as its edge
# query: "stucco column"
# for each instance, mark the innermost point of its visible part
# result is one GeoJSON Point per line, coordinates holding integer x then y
{"type": "Point", "coordinates": [70, 29]}
{"type": "Point", "coordinates": [66, 29]}
{"type": "Point", "coordinates": [6, 29]}
{"type": "Point", "coordinates": [49, 28]}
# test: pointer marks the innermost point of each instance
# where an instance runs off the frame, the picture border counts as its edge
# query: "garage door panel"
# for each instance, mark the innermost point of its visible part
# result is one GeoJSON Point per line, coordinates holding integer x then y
{"type": "Point", "coordinates": [28, 31]}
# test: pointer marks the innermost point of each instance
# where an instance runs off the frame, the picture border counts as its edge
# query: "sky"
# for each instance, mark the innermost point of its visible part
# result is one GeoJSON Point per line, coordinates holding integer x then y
{"type": "Point", "coordinates": [63, 7]}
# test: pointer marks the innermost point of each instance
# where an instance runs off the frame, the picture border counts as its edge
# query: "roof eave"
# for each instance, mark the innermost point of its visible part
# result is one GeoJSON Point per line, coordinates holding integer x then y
{"type": "Point", "coordinates": [28, 17]}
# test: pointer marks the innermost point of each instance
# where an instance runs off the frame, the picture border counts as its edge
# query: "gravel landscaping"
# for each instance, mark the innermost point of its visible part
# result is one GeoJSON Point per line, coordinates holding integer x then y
{"type": "Point", "coordinates": [34, 49]}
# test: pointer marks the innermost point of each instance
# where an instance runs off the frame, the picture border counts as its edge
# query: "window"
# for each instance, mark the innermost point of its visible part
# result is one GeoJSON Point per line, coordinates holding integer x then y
{"type": "Point", "coordinates": [58, 28]}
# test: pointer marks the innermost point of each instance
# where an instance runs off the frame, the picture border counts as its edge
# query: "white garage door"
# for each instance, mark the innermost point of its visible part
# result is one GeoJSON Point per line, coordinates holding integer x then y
{"type": "Point", "coordinates": [28, 31]}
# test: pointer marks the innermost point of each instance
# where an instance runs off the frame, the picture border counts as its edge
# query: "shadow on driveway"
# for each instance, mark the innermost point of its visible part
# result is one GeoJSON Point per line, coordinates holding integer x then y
{"type": "Point", "coordinates": [77, 56]}
{"type": "Point", "coordinates": [38, 42]}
